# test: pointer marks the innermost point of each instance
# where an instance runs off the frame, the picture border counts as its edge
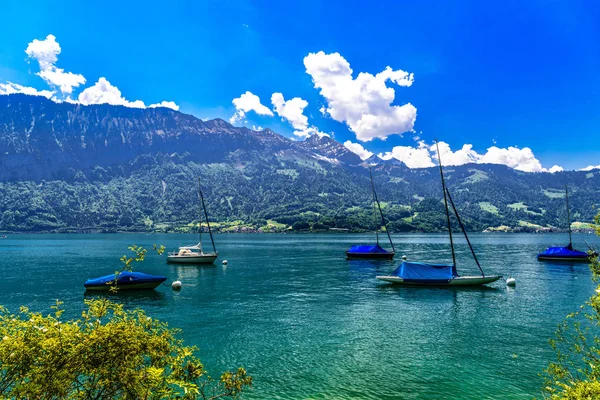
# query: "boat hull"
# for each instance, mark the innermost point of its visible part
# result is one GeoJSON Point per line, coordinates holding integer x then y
{"type": "Point", "coordinates": [458, 281]}
{"type": "Point", "coordinates": [367, 256]}
{"type": "Point", "coordinates": [133, 286]}
{"type": "Point", "coordinates": [577, 259]}
{"type": "Point", "coordinates": [202, 259]}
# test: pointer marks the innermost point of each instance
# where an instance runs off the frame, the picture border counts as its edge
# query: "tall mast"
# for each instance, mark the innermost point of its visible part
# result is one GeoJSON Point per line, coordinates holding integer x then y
{"type": "Point", "coordinates": [446, 203]}
{"type": "Point", "coordinates": [462, 227]}
{"type": "Point", "coordinates": [568, 215]}
{"type": "Point", "coordinates": [206, 216]}
{"type": "Point", "coordinates": [380, 213]}
{"type": "Point", "coordinates": [374, 208]}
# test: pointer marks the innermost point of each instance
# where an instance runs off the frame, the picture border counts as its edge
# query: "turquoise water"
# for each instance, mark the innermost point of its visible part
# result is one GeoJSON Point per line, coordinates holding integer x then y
{"type": "Point", "coordinates": [306, 323]}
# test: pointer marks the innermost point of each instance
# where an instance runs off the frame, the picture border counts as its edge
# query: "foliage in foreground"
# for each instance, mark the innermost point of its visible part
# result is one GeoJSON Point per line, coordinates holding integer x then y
{"type": "Point", "coordinates": [108, 353]}
{"type": "Point", "coordinates": [575, 375]}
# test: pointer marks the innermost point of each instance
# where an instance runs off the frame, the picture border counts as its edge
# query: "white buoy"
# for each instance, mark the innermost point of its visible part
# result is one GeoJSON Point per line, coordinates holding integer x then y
{"type": "Point", "coordinates": [404, 257]}
{"type": "Point", "coordinates": [176, 285]}
{"type": "Point", "coordinates": [225, 262]}
{"type": "Point", "coordinates": [511, 282]}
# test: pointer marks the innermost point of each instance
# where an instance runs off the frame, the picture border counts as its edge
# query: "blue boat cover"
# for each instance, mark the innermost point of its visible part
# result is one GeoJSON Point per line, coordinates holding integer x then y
{"type": "Point", "coordinates": [367, 249]}
{"type": "Point", "coordinates": [563, 252]}
{"type": "Point", "coordinates": [125, 278]}
{"type": "Point", "coordinates": [426, 273]}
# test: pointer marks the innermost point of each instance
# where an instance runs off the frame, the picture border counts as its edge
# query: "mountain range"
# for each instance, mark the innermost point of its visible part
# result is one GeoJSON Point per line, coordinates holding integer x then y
{"type": "Point", "coordinates": [69, 167]}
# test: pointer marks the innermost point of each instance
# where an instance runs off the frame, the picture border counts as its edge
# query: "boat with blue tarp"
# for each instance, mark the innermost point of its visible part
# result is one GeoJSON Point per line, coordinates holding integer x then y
{"type": "Point", "coordinates": [370, 251]}
{"type": "Point", "coordinates": [432, 274]}
{"type": "Point", "coordinates": [125, 280]}
{"type": "Point", "coordinates": [373, 251]}
{"type": "Point", "coordinates": [567, 253]}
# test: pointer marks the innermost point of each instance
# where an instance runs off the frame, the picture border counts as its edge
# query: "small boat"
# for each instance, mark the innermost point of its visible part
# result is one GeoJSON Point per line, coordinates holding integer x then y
{"type": "Point", "coordinates": [567, 253]}
{"type": "Point", "coordinates": [369, 251]}
{"type": "Point", "coordinates": [373, 251]}
{"type": "Point", "coordinates": [125, 281]}
{"type": "Point", "coordinates": [428, 274]}
{"type": "Point", "coordinates": [194, 254]}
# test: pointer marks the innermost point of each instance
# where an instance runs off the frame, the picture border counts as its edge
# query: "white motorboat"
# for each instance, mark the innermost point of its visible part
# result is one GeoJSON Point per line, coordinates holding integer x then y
{"type": "Point", "coordinates": [194, 254]}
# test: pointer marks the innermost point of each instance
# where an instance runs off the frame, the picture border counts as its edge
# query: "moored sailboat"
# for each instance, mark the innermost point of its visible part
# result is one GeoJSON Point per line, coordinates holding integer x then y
{"type": "Point", "coordinates": [373, 251]}
{"type": "Point", "coordinates": [194, 254]}
{"type": "Point", "coordinates": [567, 253]}
{"type": "Point", "coordinates": [430, 274]}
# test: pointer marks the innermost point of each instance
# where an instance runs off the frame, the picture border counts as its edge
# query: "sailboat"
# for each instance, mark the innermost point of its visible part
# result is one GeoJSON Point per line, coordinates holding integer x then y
{"type": "Point", "coordinates": [567, 253]}
{"type": "Point", "coordinates": [194, 254]}
{"type": "Point", "coordinates": [373, 251]}
{"type": "Point", "coordinates": [419, 273]}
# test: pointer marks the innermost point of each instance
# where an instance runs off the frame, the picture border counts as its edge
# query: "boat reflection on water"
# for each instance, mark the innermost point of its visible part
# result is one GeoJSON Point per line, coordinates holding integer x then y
{"type": "Point", "coordinates": [131, 297]}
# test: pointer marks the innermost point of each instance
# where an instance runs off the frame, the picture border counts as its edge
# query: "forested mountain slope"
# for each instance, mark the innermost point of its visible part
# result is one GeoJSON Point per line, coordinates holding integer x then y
{"type": "Point", "coordinates": [72, 167]}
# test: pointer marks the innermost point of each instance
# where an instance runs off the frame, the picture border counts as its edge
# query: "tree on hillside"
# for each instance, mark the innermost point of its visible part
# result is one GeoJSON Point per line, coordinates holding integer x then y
{"type": "Point", "coordinates": [575, 375]}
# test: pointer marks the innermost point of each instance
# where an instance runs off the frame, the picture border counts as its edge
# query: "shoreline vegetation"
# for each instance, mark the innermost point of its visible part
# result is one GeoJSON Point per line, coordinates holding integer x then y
{"type": "Point", "coordinates": [583, 228]}
{"type": "Point", "coordinates": [573, 374]}
{"type": "Point", "coordinates": [109, 352]}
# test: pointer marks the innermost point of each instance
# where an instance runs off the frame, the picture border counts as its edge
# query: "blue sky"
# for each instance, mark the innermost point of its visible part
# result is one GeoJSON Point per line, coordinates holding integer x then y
{"type": "Point", "coordinates": [496, 73]}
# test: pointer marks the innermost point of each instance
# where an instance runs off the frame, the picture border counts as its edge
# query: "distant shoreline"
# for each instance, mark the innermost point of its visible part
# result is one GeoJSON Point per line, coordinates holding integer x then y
{"type": "Point", "coordinates": [290, 232]}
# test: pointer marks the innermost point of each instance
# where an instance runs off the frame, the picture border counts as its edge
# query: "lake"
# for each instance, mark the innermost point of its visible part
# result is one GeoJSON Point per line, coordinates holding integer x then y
{"type": "Point", "coordinates": [307, 323]}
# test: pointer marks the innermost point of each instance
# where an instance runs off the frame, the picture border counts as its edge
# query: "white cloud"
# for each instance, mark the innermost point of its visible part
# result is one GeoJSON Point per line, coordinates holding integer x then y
{"type": "Point", "coordinates": [165, 104]}
{"type": "Point", "coordinates": [556, 168]}
{"type": "Point", "coordinates": [12, 88]}
{"type": "Point", "coordinates": [364, 103]}
{"type": "Point", "coordinates": [521, 159]}
{"type": "Point", "coordinates": [423, 156]}
{"type": "Point", "coordinates": [248, 102]}
{"type": "Point", "coordinates": [465, 155]}
{"type": "Point", "coordinates": [104, 93]}
{"type": "Point", "coordinates": [590, 167]}
{"type": "Point", "coordinates": [358, 149]}
{"type": "Point", "coordinates": [305, 133]}
{"type": "Point", "coordinates": [413, 157]}
{"type": "Point", "coordinates": [291, 110]}
{"type": "Point", "coordinates": [46, 53]}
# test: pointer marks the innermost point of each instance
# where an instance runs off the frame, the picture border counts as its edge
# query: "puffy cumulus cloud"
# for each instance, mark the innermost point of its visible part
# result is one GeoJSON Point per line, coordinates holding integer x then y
{"type": "Point", "coordinates": [465, 155]}
{"type": "Point", "coordinates": [556, 168]}
{"type": "Point", "coordinates": [104, 93]}
{"type": "Point", "coordinates": [424, 155]}
{"type": "Point", "coordinates": [11, 88]}
{"type": "Point", "coordinates": [293, 111]}
{"type": "Point", "coordinates": [590, 167]}
{"type": "Point", "coordinates": [46, 53]}
{"type": "Point", "coordinates": [521, 159]}
{"type": "Point", "coordinates": [358, 149]}
{"type": "Point", "coordinates": [364, 103]}
{"type": "Point", "coordinates": [165, 104]}
{"type": "Point", "coordinates": [248, 102]}
{"type": "Point", "coordinates": [413, 157]}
